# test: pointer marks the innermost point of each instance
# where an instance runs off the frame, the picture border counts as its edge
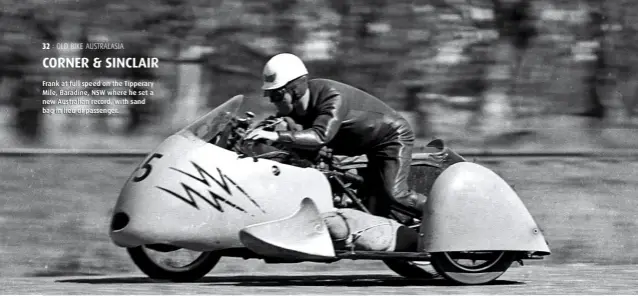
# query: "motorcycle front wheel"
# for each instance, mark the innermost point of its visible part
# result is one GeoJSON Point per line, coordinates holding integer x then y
{"type": "Point", "coordinates": [177, 266]}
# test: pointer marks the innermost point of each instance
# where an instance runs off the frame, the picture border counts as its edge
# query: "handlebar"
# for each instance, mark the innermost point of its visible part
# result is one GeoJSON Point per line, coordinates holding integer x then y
{"type": "Point", "coordinates": [241, 127]}
{"type": "Point", "coordinates": [323, 160]}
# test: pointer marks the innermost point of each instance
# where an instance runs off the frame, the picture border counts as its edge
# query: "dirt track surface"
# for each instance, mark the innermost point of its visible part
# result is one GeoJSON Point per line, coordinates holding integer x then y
{"type": "Point", "coordinates": [529, 279]}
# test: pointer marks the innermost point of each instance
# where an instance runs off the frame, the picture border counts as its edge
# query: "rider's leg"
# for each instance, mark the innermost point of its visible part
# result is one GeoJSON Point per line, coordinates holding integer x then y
{"type": "Point", "coordinates": [387, 180]}
{"type": "Point", "coordinates": [388, 171]}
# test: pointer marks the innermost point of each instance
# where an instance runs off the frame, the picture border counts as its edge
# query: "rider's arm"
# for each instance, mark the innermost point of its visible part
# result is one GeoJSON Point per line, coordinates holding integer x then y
{"type": "Point", "coordinates": [331, 112]}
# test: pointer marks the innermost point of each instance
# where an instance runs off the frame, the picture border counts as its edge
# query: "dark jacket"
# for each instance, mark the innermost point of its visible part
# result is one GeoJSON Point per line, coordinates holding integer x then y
{"type": "Point", "coordinates": [345, 119]}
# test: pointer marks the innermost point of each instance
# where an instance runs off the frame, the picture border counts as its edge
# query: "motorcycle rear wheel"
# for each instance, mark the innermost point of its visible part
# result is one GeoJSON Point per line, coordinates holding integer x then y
{"type": "Point", "coordinates": [446, 265]}
{"type": "Point", "coordinates": [194, 270]}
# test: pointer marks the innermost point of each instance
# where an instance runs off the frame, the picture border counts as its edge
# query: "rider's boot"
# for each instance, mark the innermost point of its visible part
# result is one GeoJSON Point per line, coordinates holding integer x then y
{"type": "Point", "coordinates": [415, 201]}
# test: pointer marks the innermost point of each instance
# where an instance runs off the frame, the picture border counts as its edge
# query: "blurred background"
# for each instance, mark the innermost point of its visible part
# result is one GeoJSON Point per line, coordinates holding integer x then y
{"type": "Point", "coordinates": [478, 73]}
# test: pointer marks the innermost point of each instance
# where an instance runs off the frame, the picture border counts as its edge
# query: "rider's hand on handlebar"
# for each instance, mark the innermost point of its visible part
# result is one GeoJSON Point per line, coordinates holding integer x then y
{"type": "Point", "coordinates": [260, 134]}
{"type": "Point", "coordinates": [269, 120]}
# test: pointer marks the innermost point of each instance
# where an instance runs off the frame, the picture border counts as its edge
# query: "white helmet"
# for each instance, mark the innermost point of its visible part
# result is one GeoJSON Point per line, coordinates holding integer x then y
{"type": "Point", "coordinates": [281, 69]}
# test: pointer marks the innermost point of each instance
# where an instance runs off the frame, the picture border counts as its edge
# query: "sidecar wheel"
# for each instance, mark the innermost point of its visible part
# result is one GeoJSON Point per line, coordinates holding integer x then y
{"type": "Point", "coordinates": [410, 269]}
{"type": "Point", "coordinates": [163, 270]}
{"type": "Point", "coordinates": [494, 265]}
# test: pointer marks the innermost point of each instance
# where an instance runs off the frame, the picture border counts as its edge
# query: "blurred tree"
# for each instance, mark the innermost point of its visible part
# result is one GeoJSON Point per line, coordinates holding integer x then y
{"type": "Point", "coordinates": [413, 103]}
{"type": "Point", "coordinates": [515, 26]}
{"type": "Point", "coordinates": [35, 27]}
{"type": "Point", "coordinates": [286, 24]}
{"type": "Point", "coordinates": [598, 66]}
{"type": "Point", "coordinates": [513, 22]}
{"type": "Point", "coordinates": [622, 43]}
{"type": "Point", "coordinates": [364, 57]}
{"type": "Point", "coordinates": [27, 95]}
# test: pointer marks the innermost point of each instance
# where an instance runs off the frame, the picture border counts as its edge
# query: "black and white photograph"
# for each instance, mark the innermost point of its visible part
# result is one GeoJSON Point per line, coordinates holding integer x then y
{"type": "Point", "coordinates": [324, 147]}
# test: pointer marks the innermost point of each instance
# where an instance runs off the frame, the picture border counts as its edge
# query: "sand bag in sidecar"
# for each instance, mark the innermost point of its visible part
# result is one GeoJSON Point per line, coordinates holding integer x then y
{"type": "Point", "coordinates": [352, 229]}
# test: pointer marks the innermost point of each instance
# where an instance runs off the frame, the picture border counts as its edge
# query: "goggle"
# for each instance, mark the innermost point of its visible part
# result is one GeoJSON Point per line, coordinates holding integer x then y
{"type": "Point", "coordinates": [276, 95]}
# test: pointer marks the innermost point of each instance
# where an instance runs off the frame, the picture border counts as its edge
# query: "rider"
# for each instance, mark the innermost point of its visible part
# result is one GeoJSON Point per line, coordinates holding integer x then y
{"type": "Point", "coordinates": [349, 121]}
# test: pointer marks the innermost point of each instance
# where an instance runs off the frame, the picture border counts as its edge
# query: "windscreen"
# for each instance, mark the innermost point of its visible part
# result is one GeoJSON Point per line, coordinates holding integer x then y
{"type": "Point", "coordinates": [215, 121]}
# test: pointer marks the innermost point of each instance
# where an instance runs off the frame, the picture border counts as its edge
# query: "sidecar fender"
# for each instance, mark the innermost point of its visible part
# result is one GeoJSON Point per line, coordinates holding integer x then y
{"type": "Point", "coordinates": [471, 208]}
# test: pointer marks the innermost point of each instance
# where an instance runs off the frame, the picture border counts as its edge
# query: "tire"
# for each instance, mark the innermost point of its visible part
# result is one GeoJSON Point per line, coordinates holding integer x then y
{"type": "Point", "coordinates": [485, 273]}
{"type": "Point", "coordinates": [191, 272]}
{"type": "Point", "coordinates": [409, 269]}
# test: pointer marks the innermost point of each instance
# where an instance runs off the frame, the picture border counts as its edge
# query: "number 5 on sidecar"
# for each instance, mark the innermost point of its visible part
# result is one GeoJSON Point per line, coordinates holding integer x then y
{"type": "Point", "coordinates": [201, 192]}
